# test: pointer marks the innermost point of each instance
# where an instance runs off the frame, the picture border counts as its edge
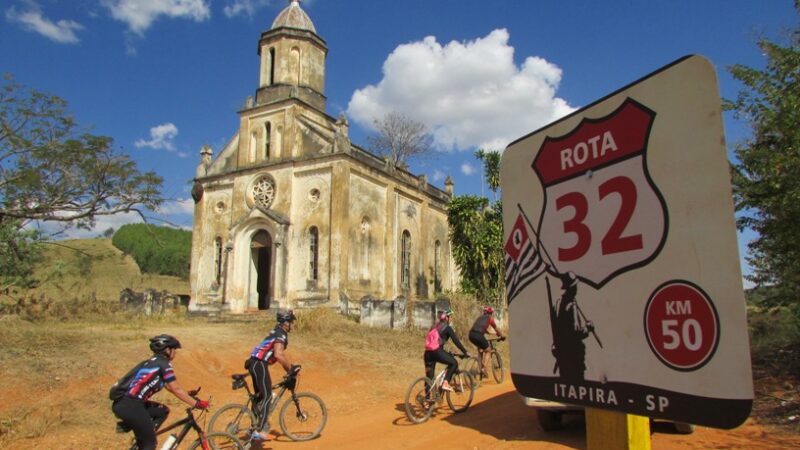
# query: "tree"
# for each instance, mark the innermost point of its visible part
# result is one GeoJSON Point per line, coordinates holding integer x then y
{"type": "Point", "coordinates": [766, 178]}
{"type": "Point", "coordinates": [400, 138]}
{"type": "Point", "coordinates": [50, 171]}
{"type": "Point", "coordinates": [476, 236]}
{"type": "Point", "coordinates": [490, 159]}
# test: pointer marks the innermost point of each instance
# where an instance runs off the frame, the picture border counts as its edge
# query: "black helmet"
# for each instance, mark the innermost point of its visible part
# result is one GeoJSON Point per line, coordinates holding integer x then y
{"type": "Point", "coordinates": [285, 316]}
{"type": "Point", "coordinates": [162, 342]}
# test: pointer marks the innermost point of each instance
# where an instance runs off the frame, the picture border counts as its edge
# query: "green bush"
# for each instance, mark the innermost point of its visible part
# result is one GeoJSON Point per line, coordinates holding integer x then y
{"type": "Point", "coordinates": [772, 328]}
{"type": "Point", "coordinates": [158, 250]}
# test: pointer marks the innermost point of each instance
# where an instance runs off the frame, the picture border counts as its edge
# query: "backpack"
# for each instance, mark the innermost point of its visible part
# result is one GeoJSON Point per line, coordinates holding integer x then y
{"type": "Point", "coordinates": [119, 389]}
{"type": "Point", "coordinates": [432, 340]}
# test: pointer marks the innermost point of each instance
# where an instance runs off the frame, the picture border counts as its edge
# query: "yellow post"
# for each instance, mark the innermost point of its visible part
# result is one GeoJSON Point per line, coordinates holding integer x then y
{"type": "Point", "coordinates": [611, 430]}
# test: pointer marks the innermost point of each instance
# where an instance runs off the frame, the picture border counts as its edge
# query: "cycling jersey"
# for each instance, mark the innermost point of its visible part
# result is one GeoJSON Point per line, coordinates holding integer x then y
{"type": "Point", "coordinates": [144, 380]}
{"type": "Point", "coordinates": [483, 322]}
{"type": "Point", "coordinates": [448, 333]}
{"type": "Point", "coordinates": [265, 351]}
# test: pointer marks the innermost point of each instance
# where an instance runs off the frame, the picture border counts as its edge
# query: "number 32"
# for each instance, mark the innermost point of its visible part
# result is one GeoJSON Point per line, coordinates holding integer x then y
{"type": "Point", "coordinates": [613, 241]}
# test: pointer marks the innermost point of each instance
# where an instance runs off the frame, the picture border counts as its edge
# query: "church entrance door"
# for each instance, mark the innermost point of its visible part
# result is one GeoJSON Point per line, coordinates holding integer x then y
{"type": "Point", "coordinates": [261, 254]}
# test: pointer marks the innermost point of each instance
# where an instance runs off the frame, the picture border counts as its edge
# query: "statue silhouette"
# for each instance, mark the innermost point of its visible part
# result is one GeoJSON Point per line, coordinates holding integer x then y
{"type": "Point", "coordinates": [570, 328]}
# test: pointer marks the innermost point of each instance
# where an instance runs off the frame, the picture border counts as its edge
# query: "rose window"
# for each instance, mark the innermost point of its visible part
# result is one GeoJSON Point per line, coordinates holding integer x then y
{"type": "Point", "coordinates": [264, 192]}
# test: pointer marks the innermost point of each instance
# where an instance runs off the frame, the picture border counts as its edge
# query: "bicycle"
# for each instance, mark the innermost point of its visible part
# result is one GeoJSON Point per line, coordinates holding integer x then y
{"type": "Point", "coordinates": [425, 394]}
{"type": "Point", "coordinates": [307, 422]}
{"type": "Point", "coordinates": [474, 364]}
{"type": "Point", "coordinates": [205, 441]}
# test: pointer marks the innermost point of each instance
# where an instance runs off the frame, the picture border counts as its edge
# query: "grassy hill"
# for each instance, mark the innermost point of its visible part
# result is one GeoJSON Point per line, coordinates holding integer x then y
{"type": "Point", "coordinates": [95, 266]}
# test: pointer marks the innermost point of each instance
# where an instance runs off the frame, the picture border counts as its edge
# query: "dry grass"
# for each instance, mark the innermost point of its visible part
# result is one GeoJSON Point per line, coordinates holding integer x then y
{"type": "Point", "coordinates": [110, 271]}
{"type": "Point", "coordinates": [54, 375]}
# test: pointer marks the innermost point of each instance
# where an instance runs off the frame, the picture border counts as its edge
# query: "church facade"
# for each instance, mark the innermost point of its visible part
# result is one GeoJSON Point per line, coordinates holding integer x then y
{"type": "Point", "coordinates": [291, 214]}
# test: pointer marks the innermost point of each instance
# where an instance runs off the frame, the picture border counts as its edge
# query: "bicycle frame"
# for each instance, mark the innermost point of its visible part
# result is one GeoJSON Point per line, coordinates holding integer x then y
{"type": "Point", "coordinates": [281, 388]}
{"type": "Point", "coordinates": [188, 423]}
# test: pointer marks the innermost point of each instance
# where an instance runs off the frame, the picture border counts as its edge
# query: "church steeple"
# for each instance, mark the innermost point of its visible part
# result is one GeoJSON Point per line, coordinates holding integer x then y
{"type": "Point", "coordinates": [293, 16]}
{"type": "Point", "coordinates": [292, 60]}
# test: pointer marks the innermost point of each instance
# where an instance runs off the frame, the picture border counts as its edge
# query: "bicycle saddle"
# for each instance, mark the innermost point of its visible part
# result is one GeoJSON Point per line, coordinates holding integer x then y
{"type": "Point", "coordinates": [238, 381]}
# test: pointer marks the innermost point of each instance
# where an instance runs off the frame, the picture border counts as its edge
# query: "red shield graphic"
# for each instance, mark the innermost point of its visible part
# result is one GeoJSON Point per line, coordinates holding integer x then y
{"type": "Point", "coordinates": [603, 215]}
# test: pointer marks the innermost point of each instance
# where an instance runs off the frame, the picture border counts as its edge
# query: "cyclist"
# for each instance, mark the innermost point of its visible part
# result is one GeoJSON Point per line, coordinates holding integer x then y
{"type": "Point", "coordinates": [438, 354]}
{"type": "Point", "coordinates": [478, 338]}
{"type": "Point", "coordinates": [132, 392]}
{"type": "Point", "coordinates": [267, 352]}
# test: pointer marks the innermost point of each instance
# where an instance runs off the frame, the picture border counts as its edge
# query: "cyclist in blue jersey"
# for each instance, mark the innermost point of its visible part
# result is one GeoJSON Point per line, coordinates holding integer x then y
{"type": "Point", "coordinates": [476, 336]}
{"type": "Point", "coordinates": [132, 392]}
{"type": "Point", "coordinates": [268, 352]}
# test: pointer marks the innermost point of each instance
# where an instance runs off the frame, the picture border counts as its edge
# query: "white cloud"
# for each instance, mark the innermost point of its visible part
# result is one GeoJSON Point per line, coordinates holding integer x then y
{"type": "Point", "coordinates": [161, 137]}
{"type": "Point", "coordinates": [102, 224]}
{"type": "Point", "coordinates": [180, 206]}
{"type": "Point", "coordinates": [438, 175]}
{"type": "Point", "coordinates": [467, 169]}
{"type": "Point", "coordinates": [62, 31]}
{"type": "Point", "coordinates": [140, 14]}
{"type": "Point", "coordinates": [244, 7]}
{"type": "Point", "coordinates": [471, 94]}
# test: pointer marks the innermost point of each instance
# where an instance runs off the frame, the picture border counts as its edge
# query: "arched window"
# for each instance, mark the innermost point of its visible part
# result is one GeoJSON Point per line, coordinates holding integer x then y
{"type": "Point", "coordinates": [313, 257]}
{"type": "Point", "coordinates": [218, 260]}
{"type": "Point", "coordinates": [294, 66]}
{"type": "Point", "coordinates": [405, 260]}
{"type": "Point", "coordinates": [253, 146]}
{"type": "Point", "coordinates": [437, 264]}
{"type": "Point", "coordinates": [267, 139]}
{"type": "Point", "coordinates": [271, 66]}
{"type": "Point", "coordinates": [365, 244]}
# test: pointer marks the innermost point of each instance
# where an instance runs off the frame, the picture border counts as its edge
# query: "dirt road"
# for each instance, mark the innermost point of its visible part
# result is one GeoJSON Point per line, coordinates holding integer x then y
{"type": "Point", "coordinates": [366, 411]}
{"type": "Point", "coordinates": [363, 394]}
{"type": "Point", "coordinates": [499, 420]}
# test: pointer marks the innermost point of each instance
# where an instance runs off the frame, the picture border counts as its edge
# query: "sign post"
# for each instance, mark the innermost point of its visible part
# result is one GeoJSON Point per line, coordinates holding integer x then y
{"type": "Point", "coordinates": [622, 267]}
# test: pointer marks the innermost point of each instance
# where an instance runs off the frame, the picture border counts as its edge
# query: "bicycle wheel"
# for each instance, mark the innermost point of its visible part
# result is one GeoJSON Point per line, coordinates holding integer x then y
{"type": "Point", "coordinates": [419, 403]}
{"type": "Point", "coordinates": [473, 366]}
{"type": "Point", "coordinates": [218, 441]}
{"type": "Point", "coordinates": [497, 367]}
{"type": "Point", "coordinates": [460, 397]}
{"type": "Point", "coordinates": [303, 417]}
{"type": "Point", "coordinates": [235, 419]}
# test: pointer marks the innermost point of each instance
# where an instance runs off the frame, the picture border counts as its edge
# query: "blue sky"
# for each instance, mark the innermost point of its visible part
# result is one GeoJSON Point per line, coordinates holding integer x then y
{"type": "Point", "coordinates": [164, 77]}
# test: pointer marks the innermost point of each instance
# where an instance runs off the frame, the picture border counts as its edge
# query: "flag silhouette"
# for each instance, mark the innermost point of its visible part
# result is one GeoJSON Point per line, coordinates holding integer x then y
{"type": "Point", "coordinates": [524, 263]}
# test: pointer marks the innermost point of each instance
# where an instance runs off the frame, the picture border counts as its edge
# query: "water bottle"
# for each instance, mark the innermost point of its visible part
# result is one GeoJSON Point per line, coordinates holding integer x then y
{"type": "Point", "coordinates": [169, 442]}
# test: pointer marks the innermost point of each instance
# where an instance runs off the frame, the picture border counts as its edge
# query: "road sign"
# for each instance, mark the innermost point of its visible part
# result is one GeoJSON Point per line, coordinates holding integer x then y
{"type": "Point", "coordinates": [623, 276]}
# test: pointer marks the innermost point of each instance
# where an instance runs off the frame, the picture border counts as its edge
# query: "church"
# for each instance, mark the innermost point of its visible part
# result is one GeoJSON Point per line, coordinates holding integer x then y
{"type": "Point", "coordinates": [291, 214]}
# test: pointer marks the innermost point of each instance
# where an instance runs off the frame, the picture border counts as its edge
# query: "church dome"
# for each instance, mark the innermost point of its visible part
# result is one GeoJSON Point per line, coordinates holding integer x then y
{"type": "Point", "coordinates": [294, 17]}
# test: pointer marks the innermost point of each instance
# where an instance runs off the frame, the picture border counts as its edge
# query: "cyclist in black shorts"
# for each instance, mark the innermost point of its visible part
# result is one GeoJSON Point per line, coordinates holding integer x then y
{"type": "Point", "coordinates": [132, 392]}
{"type": "Point", "coordinates": [269, 351]}
{"type": "Point", "coordinates": [439, 355]}
{"type": "Point", "coordinates": [476, 336]}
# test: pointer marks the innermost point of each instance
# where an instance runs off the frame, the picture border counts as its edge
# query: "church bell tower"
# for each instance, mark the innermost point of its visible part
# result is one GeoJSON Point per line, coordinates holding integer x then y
{"type": "Point", "coordinates": [292, 60]}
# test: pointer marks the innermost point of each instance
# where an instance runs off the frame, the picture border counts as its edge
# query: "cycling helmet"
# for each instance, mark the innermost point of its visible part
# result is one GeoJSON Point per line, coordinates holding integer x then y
{"type": "Point", "coordinates": [488, 310]}
{"type": "Point", "coordinates": [445, 314]}
{"type": "Point", "coordinates": [162, 342]}
{"type": "Point", "coordinates": [285, 316]}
